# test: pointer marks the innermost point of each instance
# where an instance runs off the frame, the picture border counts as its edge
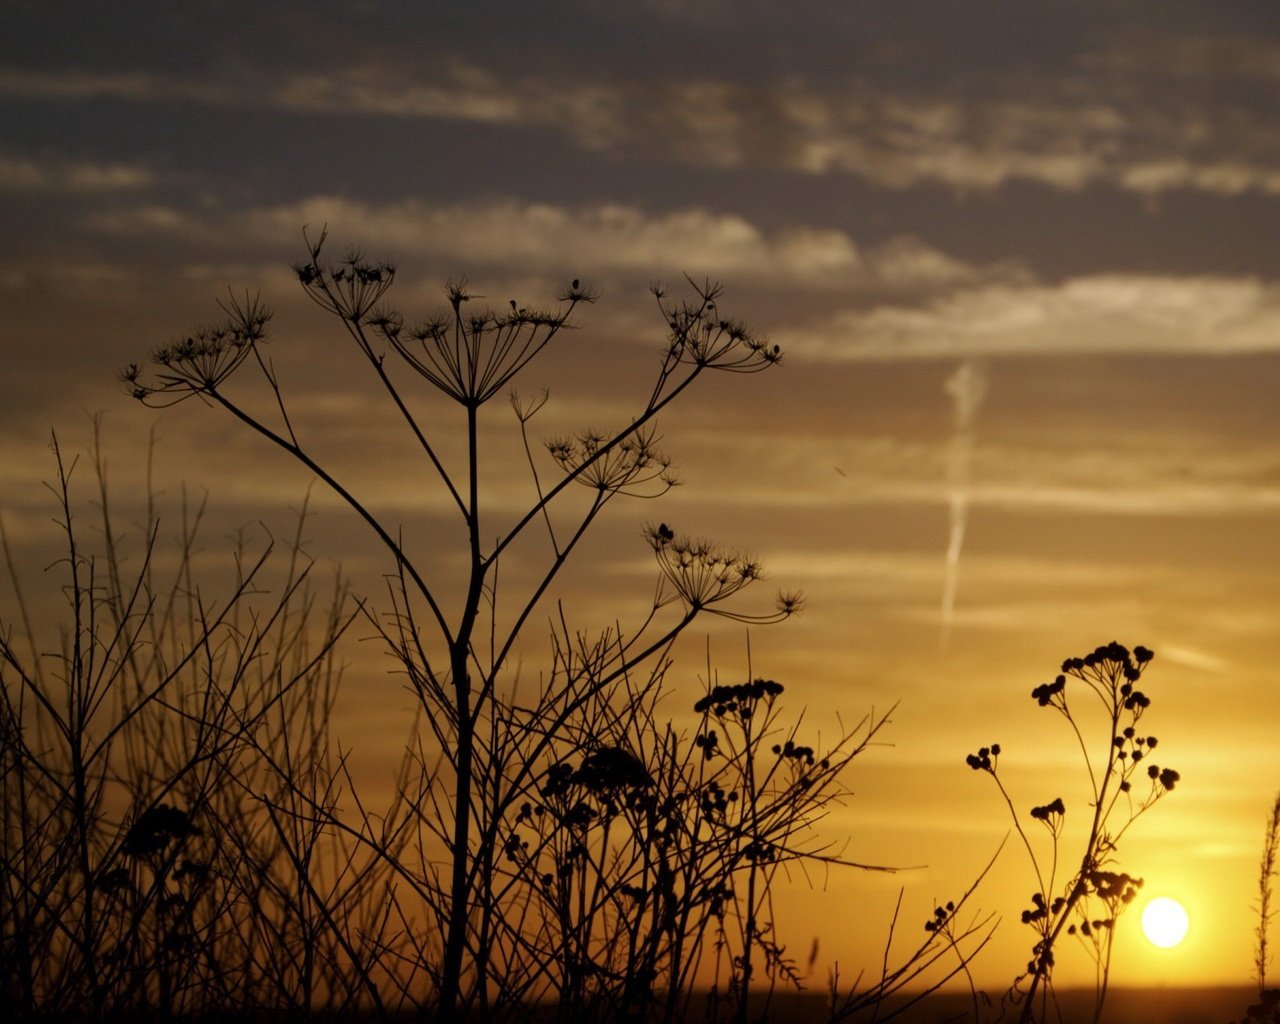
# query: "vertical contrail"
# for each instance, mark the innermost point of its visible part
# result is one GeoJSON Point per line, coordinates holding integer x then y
{"type": "Point", "coordinates": [967, 387]}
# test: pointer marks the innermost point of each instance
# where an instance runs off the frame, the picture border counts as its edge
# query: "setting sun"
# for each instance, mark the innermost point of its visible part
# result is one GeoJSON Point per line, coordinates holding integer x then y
{"type": "Point", "coordinates": [1164, 922]}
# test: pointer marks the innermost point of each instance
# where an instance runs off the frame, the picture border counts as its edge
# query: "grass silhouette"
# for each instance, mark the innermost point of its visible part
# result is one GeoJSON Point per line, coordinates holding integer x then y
{"type": "Point", "coordinates": [1267, 1008]}
{"type": "Point", "coordinates": [183, 836]}
{"type": "Point", "coordinates": [155, 860]}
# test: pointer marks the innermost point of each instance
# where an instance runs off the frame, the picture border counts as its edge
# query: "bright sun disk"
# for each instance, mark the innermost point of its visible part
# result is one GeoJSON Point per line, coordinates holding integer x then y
{"type": "Point", "coordinates": [1164, 922]}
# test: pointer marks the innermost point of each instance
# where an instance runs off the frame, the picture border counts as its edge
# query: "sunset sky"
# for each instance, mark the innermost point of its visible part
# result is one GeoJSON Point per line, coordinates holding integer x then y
{"type": "Point", "coordinates": [1021, 260]}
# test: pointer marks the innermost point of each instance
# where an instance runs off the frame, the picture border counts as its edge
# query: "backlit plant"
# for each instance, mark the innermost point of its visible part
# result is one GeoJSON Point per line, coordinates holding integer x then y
{"type": "Point", "coordinates": [454, 639]}
{"type": "Point", "coordinates": [1086, 900]}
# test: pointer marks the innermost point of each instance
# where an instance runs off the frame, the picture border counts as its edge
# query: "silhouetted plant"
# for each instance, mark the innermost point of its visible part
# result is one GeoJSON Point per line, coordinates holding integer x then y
{"type": "Point", "coordinates": [1089, 902]}
{"type": "Point", "coordinates": [646, 867]}
{"type": "Point", "coordinates": [919, 973]}
{"type": "Point", "coordinates": [136, 876]}
{"type": "Point", "coordinates": [471, 355]}
{"type": "Point", "coordinates": [757, 806]}
{"type": "Point", "coordinates": [1267, 1009]}
{"type": "Point", "coordinates": [548, 842]}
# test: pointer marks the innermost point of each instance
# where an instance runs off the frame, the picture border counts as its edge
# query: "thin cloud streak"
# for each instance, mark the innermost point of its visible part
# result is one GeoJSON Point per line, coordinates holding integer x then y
{"type": "Point", "coordinates": [604, 237]}
{"type": "Point", "coordinates": [20, 174]}
{"type": "Point", "coordinates": [967, 387]}
{"type": "Point", "coordinates": [1150, 478]}
{"type": "Point", "coordinates": [1096, 313]}
{"type": "Point", "coordinates": [893, 139]}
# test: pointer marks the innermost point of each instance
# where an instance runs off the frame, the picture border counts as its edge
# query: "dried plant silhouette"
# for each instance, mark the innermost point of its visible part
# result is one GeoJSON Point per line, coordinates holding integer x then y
{"type": "Point", "coordinates": [184, 836]}
{"type": "Point", "coordinates": [1267, 1009]}
{"type": "Point", "coordinates": [163, 753]}
{"type": "Point", "coordinates": [1124, 782]}
{"type": "Point", "coordinates": [552, 844]}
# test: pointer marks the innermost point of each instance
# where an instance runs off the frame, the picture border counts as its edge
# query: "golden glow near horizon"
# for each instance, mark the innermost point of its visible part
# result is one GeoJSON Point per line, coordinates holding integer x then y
{"type": "Point", "coordinates": [1165, 922]}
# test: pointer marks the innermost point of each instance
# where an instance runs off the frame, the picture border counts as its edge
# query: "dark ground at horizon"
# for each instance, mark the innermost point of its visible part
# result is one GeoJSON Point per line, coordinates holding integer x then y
{"type": "Point", "coordinates": [1164, 1005]}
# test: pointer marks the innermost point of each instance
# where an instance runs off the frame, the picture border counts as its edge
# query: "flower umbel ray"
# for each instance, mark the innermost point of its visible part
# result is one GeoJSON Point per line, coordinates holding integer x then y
{"type": "Point", "coordinates": [701, 575]}
{"type": "Point", "coordinates": [200, 362]}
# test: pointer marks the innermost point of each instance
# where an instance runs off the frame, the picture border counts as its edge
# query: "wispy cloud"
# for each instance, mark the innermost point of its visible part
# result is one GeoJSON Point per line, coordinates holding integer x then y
{"type": "Point", "coordinates": [1201, 661]}
{"type": "Point", "coordinates": [1130, 136]}
{"type": "Point", "coordinates": [1124, 476]}
{"type": "Point", "coordinates": [893, 139]}
{"type": "Point", "coordinates": [76, 83]}
{"type": "Point", "coordinates": [593, 113]}
{"type": "Point", "coordinates": [452, 90]}
{"type": "Point", "coordinates": [602, 237]}
{"type": "Point", "coordinates": [1216, 55]}
{"type": "Point", "coordinates": [22, 174]}
{"type": "Point", "coordinates": [1093, 313]}
{"type": "Point", "coordinates": [1223, 178]}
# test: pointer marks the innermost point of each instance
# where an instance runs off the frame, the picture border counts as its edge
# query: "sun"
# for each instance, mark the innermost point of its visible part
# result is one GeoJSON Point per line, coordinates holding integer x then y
{"type": "Point", "coordinates": [1164, 922]}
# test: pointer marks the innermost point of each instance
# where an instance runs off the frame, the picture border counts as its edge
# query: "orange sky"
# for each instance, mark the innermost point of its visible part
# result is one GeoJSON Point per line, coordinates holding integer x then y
{"type": "Point", "coordinates": [1067, 212]}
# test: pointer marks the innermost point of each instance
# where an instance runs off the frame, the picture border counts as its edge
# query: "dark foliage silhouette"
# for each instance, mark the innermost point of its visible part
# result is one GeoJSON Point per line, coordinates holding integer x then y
{"type": "Point", "coordinates": [592, 859]}
{"type": "Point", "coordinates": [183, 835]}
{"type": "Point", "coordinates": [1267, 1009]}
{"type": "Point", "coordinates": [1124, 782]}
{"type": "Point", "coordinates": [144, 757]}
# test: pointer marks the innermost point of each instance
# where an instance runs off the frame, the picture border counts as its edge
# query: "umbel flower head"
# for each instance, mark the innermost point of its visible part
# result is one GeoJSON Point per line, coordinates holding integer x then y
{"type": "Point", "coordinates": [700, 336]}
{"type": "Point", "coordinates": [985, 760]}
{"type": "Point", "coordinates": [610, 768]}
{"type": "Point", "coordinates": [604, 769]}
{"type": "Point", "coordinates": [467, 353]}
{"type": "Point", "coordinates": [473, 354]}
{"type": "Point", "coordinates": [701, 575]}
{"type": "Point", "coordinates": [200, 362]}
{"type": "Point", "coordinates": [1111, 672]}
{"type": "Point", "coordinates": [739, 699]}
{"type": "Point", "coordinates": [349, 288]}
{"type": "Point", "coordinates": [940, 916]}
{"type": "Point", "coordinates": [156, 828]}
{"type": "Point", "coordinates": [634, 466]}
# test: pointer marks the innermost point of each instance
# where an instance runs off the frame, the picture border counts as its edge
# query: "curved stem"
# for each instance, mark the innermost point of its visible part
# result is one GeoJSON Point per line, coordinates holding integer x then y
{"type": "Point", "coordinates": [402, 560]}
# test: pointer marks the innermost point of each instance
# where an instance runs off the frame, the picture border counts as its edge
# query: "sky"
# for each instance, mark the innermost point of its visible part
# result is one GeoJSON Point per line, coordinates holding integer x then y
{"type": "Point", "coordinates": [1020, 260]}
